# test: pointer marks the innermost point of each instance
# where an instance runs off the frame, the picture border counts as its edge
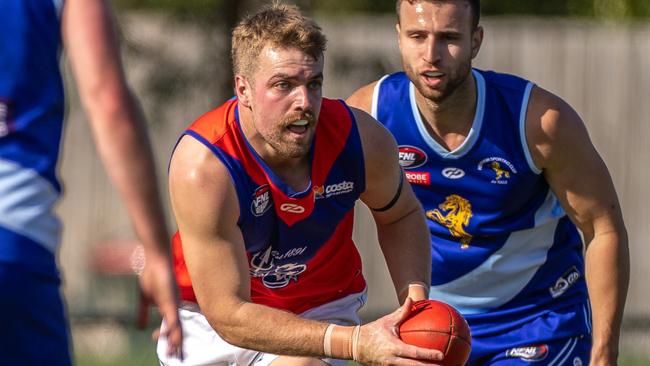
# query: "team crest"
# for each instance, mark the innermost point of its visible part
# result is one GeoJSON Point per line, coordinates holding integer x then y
{"type": "Point", "coordinates": [500, 169]}
{"type": "Point", "coordinates": [454, 214]}
{"type": "Point", "coordinates": [261, 200]}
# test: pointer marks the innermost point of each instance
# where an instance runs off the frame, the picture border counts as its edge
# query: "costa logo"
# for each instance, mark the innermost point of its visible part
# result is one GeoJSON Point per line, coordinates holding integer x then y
{"type": "Point", "coordinates": [292, 208]}
{"type": "Point", "coordinates": [453, 173]}
{"type": "Point", "coordinates": [411, 157]}
{"type": "Point", "coordinates": [261, 200]}
{"type": "Point", "coordinates": [529, 353]}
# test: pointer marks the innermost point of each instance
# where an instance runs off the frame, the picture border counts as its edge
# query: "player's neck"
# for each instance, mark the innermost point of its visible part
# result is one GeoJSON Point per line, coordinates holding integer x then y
{"type": "Point", "coordinates": [450, 120]}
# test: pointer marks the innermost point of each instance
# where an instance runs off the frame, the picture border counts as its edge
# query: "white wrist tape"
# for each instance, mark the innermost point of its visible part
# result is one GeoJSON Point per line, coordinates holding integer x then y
{"type": "Point", "coordinates": [327, 341]}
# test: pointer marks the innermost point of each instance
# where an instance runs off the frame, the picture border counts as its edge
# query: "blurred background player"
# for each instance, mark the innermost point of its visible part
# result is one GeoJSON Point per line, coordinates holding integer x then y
{"type": "Point", "coordinates": [507, 175]}
{"type": "Point", "coordinates": [263, 189]}
{"type": "Point", "coordinates": [32, 314]}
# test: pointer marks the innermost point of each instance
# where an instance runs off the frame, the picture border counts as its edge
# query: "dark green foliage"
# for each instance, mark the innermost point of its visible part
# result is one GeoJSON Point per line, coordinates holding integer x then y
{"type": "Point", "coordinates": [217, 9]}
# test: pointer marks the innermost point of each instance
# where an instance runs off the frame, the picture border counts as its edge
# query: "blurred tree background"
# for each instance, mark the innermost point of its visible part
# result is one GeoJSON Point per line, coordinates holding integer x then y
{"type": "Point", "coordinates": [223, 10]}
{"type": "Point", "coordinates": [222, 15]}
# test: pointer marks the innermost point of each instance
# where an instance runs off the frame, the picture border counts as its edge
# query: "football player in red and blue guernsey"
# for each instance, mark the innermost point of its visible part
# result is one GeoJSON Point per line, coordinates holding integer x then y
{"type": "Point", "coordinates": [507, 175]}
{"type": "Point", "coordinates": [263, 189]}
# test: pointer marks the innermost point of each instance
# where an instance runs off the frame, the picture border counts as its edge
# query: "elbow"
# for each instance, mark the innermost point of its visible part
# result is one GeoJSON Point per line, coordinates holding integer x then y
{"type": "Point", "coordinates": [110, 103]}
{"type": "Point", "coordinates": [228, 325]}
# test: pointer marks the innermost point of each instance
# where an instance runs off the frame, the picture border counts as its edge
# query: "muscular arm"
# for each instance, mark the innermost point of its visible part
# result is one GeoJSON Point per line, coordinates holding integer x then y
{"type": "Point", "coordinates": [205, 204]}
{"type": "Point", "coordinates": [561, 147]}
{"type": "Point", "coordinates": [402, 230]}
{"type": "Point", "coordinates": [120, 135]}
{"type": "Point", "coordinates": [206, 208]}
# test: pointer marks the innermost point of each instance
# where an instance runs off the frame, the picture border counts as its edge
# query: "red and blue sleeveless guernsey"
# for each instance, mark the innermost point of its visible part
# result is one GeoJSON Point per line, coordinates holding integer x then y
{"type": "Point", "coordinates": [299, 244]}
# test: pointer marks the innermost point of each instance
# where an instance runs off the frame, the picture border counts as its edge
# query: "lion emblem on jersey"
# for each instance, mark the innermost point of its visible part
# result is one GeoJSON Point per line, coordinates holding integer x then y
{"type": "Point", "coordinates": [500, 172]}
{"type": "Point", "coordinates": [454, 214]}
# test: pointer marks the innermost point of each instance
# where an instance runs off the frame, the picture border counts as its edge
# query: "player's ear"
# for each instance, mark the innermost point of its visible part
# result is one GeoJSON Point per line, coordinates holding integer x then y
{"type": "Point", "coordinates": [399, 30]}
{"type": "Point", "coordinates": [243, 90]}
{"type": "Point", "coordinates": [477, 40]}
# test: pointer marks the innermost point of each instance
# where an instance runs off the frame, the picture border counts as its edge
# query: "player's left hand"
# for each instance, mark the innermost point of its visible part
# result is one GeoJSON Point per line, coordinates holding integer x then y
{"type": "Point", "coordinates": [158, 286]}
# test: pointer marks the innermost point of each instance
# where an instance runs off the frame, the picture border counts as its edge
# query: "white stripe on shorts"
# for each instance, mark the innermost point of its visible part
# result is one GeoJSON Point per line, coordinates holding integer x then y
{"type": "Point", "coordinates": [565, 352]}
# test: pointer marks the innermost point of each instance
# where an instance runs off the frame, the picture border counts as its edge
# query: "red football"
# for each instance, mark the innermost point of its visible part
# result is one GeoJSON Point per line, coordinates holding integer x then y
{"type": "Point", "coordinates": [434, 324]}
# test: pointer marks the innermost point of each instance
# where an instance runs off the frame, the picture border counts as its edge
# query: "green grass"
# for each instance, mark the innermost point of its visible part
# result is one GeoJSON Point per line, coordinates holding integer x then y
{"type": "Point", "coordinates": [142, 352]}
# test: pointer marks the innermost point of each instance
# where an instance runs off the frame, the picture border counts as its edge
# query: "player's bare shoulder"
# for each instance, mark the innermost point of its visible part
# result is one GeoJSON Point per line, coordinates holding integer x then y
{"type": "Point", "coordinates": [552, 126]}
{"type": "Point", "coordinates": [192, 161]}
{"type": "Point", "coordinates": [197, 175]}
{"type": "Point", "coordinates": [362, 97]}
{"type": "Point", "coordinates": [377, 141]}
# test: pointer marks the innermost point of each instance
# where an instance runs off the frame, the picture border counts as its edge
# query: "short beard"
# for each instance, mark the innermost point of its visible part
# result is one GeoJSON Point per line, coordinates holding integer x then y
{"type": "Point", "coordinates": [439, 96]}
{"type": "Point", "coordinates": [289, 149]}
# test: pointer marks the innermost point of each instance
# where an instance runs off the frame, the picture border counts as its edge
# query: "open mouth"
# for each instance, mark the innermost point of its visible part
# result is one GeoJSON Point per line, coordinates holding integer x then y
{"type": "Point", "coordinates": [299, 126]}
{"type": "Point", "coordinates": [432, 77]}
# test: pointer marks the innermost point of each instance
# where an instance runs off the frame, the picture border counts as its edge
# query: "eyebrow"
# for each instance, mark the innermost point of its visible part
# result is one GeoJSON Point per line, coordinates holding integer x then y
{"type": "Point", "coordinates": [293, 77]}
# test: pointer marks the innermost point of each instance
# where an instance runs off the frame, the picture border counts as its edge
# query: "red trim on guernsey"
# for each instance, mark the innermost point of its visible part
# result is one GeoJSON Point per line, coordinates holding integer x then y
{"type": "Point", "coordinates": [306, 292]}
{"type": "Point", "coordinates": [335, 270]}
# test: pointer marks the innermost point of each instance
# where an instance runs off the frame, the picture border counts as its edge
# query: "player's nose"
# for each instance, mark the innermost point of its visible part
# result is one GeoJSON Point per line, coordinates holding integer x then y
{"type": "Point", "coordinates": [303, 100]}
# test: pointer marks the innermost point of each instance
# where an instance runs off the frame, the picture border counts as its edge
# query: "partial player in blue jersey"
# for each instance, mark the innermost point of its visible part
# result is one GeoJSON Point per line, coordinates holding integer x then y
{"type": "Point", "coordinates": [33, 328]}
{"type": "Point", "coordinates": [508, 178]}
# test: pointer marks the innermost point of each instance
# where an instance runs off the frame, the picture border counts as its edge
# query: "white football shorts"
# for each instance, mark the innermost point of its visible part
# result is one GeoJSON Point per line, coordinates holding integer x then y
{"type": "Point", "coordinates": [203, 346]}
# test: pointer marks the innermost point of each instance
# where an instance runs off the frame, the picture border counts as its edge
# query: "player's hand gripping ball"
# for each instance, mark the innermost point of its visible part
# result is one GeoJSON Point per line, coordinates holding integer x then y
{"type": "Point", "coordinates": [434, 324]}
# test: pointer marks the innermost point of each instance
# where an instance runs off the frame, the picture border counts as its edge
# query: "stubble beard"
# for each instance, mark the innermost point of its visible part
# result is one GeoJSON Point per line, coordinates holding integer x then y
{"type": "Point", "coordinates": [454, 80]}
{"type": "Point", "coordinates": [286, 148]}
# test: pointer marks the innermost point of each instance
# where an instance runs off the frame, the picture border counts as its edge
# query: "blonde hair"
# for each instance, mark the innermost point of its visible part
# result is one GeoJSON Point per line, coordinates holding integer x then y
{"type": "Point", "coordinates": [279, 25]}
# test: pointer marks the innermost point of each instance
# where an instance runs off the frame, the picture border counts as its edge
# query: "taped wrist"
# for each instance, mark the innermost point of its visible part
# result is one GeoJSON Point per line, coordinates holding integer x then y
{"type": "Point", "coordinates": [406, 290]}
{"type": "Point", "coordinates": [339, 342]}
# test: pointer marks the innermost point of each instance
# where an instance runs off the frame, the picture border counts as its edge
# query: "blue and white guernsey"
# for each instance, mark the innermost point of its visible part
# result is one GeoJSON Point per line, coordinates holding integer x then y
{"type": "Point", "coordinates": [31, 122]}
{"type": "Point", "coordinates": [503, 249]}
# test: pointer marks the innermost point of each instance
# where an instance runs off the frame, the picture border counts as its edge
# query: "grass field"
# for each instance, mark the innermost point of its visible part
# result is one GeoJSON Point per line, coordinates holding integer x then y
{"type": "Point", "coordinates": [142, 353]}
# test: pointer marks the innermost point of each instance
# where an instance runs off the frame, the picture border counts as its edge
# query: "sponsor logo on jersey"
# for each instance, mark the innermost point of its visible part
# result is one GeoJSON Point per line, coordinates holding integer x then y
{"type": "Point", "coordinates": [500, 169]}
{"type": "Point", "coordinates": [568, 279]}
{"type": "Point", "coordinates": [529, 353]}
{"type": "Point", "coordinates": [261, 200]}
{"type": "Point", "coordinates": [319, 192]}
{"type": "Point", "coordinates": [453, 173]}
{"type": "Point", "coordinates": [411, 157]}
{"type": "Point", "coordinates": [262, 265]}
{"type": "Point", "coordinates": [333, 189]}
{"type": "Point", "coordinates": [292, 208]}
{"type": "Point", "coordinates": [420, 178]}
{"type": "Point", "coordinates": [577, 361]}
{"type": "Point", "coordinates": [454, 214]}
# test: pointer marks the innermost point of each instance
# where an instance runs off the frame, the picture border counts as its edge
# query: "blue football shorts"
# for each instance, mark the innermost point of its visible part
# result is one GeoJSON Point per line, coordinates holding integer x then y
{"type": "Point", "coordinates": [554, 338]}
{"type": "Point", "coordinates": [33, 327]}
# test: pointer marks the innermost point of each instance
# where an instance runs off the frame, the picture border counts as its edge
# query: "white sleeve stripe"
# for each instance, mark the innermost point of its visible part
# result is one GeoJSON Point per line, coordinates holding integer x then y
{"type": "Point", "coordinates": [58, 6]}
{"type": "Point", "coordinates": [375, 97]}
{"type": "Point", "coordinates": [522, 129]}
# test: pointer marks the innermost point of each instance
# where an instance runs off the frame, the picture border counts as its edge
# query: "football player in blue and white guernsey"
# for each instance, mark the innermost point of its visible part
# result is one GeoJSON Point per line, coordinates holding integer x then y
{"type": "Point", "coordinates": [508, 177]}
